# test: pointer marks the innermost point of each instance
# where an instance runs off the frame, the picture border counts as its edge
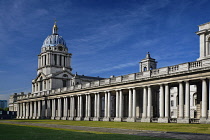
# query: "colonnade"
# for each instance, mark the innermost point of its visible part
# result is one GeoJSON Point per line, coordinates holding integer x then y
{"type": "Point", "coordinates": [130, 104]}
{"type": "Point", "coordinates": [54, 59]}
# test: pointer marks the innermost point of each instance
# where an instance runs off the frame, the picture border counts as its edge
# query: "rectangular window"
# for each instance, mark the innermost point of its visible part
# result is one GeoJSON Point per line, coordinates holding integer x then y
{"type": "Point", "coordinates": [60, 60]}
{"type": "Point", "coordinates": [172, 103]}
{"type": "Point", "coordinates": [55, 59]}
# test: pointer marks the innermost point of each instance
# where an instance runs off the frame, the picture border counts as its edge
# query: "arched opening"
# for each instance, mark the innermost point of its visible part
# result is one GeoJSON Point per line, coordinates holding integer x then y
{"type": "Point", "coordinates": [151, 68]}
{"type": "Point", "coordinates": [41, 84]}
{"type": "Point", "coordinates": [145, 68]}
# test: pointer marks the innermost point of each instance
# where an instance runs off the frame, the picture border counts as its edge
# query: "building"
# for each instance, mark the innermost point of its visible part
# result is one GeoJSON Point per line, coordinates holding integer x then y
{"type": "Point", "coordinates": [13, 101]}
{"type": "Point", "coordinates": [3, 104]}
{"type": "Point", "coordinates": [173, 94]}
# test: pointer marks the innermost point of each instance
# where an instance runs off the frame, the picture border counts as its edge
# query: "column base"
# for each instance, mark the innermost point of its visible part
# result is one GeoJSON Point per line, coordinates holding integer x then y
{"type": "Point", "coordinates": [71, 118]}
{"type": "Point", "coordinates": [87, 119]}
{"type": "Point", "coordinates": [131, 119]}
{"type": "Point", "coordinates": [145, 120]}
{"type": "Point", "coordinates": [96, 119]}
{"type": "Point", "coordinates": [63, 118]}
{"type": "Point", "coordinates": [57, 118]}
{"type": "Point", "coordinates": [203, 120]}
{"type": "Point", "coordinates": [106, 119]}
{"type": "Point", "coordinates": [117, 119]}
{"type": "Point", "coordinates": [37, 117]}
{"type": "Point", "coordinates": [208, 121]}
{"type": "Point", "coordinates": [78, 118]}
{"type": "Point", "coordinates": [163, 120]}
{"type": "Point", "coordinates": [52, 118]}
{"type": "Point", "coordinates": [183, 120]}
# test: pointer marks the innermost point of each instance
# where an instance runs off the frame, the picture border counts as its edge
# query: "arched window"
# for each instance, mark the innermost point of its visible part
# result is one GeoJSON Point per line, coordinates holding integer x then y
{"type": "Point", "coordinates": [145, 68]}
{"type": "Point", "coordinates": [65, 75]}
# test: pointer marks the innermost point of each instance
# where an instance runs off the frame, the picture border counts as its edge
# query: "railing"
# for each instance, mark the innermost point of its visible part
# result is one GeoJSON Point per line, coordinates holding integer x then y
{"type": "Point", "coordinates": [176, 69]}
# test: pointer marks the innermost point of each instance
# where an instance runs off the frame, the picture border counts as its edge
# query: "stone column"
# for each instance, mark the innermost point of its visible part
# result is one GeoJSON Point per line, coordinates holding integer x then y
{"type": "Point", "coordinates": [204, 102]}
{"type": "Point", "coordinates": [49, 109]}
{"type": "Point", "coordinates": [81, 107]}
{"type": "Point", "coordinates": [24, 110]}
{"type": "Point", "coordinates": [181, 100]}
{"type": "Point", "coordinates": [167, 101]}
{"type": "Point", "coordinates": [86, 106]}
{"type": "Point", "coordinates": [187, 100]}
{"type": "Point", "coordinates": [31, 110]}
{"type": "Point", "coordinates": [21, 111]}
{"type": "Point", "coordinates": [53, 109]}
{"type": "Point", "coordinates": [121, 105]}
{"type": "Point", "coordinates": [95, 105]}
{"type": "Point", "coordinates": [134, 105]}
{"type": "Point", "coordinates": [72, 108]}
{"type": "Point", "coordinates": [35, 110]}
{"type": "Point", "coordinates": [98, 106]}
{"type": "Point", "coordinates": [89, 105]}
{"type": "Point", "coordinates": [18, 110]}
{"type": "Point", "coordinates": [149, 113]}
{"type": "Point", "coordinates": [105, 105]}
{"type": "Point", "coordinates": [108, 106]}
{"type": "Point", "coordinates": [58, 60]}
{"type": "Point", "coordinates": [39, 110]}
{"type": "Point", "coordinates": [59, 109]}
{"type": "Point", "coordinates": [144, 103]}
{"type": "Point", "coordinates": [78, 106]}
{"type": "Point", "coordinates": [117, 104]}
{"type": "Point", "coordinates": [64, 108]}
{"type": "Point", "coordinates": [43, 109]}
{"type": "Point", "coordinates": [164, 104]}
{"type": "Point", "coordinates": [130, 103]}
{"type": "Point", "coordinates": [161, 101]}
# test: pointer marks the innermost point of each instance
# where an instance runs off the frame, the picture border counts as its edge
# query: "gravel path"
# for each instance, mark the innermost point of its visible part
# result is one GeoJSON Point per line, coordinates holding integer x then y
{"type": "Point", "coordinates": [177, 135]}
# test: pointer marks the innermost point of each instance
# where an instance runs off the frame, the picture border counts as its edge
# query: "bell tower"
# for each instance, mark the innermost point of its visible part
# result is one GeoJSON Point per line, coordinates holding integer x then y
{"type": "Point", "coordinates": [54, 63]}
{"type": "Point", "coordinates": [204, 33]}
{"type": "Point", "coordinates": [147, 63]}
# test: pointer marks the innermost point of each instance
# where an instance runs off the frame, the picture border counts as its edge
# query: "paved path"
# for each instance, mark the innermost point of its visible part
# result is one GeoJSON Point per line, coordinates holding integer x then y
{"type": "Point", "coordinates": [177, 135]}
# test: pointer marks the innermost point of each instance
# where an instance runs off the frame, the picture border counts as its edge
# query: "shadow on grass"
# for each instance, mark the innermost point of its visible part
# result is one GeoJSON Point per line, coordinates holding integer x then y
{"type": "Point", "coordinates": [14, 132]}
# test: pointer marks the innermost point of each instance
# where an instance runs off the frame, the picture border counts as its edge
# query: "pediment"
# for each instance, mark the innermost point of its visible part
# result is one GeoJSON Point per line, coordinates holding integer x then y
{"type": "Point", "coordinates": [40, 77]}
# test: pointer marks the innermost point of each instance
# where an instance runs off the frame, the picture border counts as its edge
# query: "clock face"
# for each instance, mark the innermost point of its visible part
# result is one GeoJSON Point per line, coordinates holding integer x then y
{"type": "Point", "coordinates": [60, 48]}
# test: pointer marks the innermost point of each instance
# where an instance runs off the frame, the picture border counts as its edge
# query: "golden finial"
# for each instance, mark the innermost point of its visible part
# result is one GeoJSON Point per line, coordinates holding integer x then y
{"type": "Point", "coordinates": [55, 22]}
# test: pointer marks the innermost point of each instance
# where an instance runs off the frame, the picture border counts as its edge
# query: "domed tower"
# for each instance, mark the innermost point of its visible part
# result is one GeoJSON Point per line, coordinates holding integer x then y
{"type": "Point", "coordinates": [54, 64]}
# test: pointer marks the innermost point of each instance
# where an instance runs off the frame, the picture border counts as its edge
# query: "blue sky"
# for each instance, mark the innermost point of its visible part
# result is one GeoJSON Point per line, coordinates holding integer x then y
{"type": "Point", "coordinates": [106, 37]}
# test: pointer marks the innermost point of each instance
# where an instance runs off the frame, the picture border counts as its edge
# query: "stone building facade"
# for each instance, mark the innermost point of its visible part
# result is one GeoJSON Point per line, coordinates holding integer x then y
{"type": "Point", "coordinates": [173, 94]}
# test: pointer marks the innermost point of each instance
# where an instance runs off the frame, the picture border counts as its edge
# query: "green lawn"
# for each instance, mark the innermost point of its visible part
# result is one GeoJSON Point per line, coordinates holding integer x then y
{"type": "Point", "coordinates": [173, 127]}
{"type": "Point", "coordinates": [15, 132]}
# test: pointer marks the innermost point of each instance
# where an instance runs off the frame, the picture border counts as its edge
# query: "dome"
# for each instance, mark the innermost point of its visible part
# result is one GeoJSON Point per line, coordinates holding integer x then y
{"type": "Point", "coordinates": [54, 39]}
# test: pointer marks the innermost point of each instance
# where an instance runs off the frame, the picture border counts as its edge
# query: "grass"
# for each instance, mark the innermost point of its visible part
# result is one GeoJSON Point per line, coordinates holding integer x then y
{"type": "Point", "coordinates": [172, 127]}
{"type": "Point", "coordinates": [18, 132]}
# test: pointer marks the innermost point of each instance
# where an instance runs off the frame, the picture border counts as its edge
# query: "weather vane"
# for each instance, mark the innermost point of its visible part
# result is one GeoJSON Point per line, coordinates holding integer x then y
{"type": "Point", "coordinates": [55, 20]}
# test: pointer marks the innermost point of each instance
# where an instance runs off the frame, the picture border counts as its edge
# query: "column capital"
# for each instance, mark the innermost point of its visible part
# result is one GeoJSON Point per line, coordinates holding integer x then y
{"type": "Point", "coordinates": [203, 78]}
